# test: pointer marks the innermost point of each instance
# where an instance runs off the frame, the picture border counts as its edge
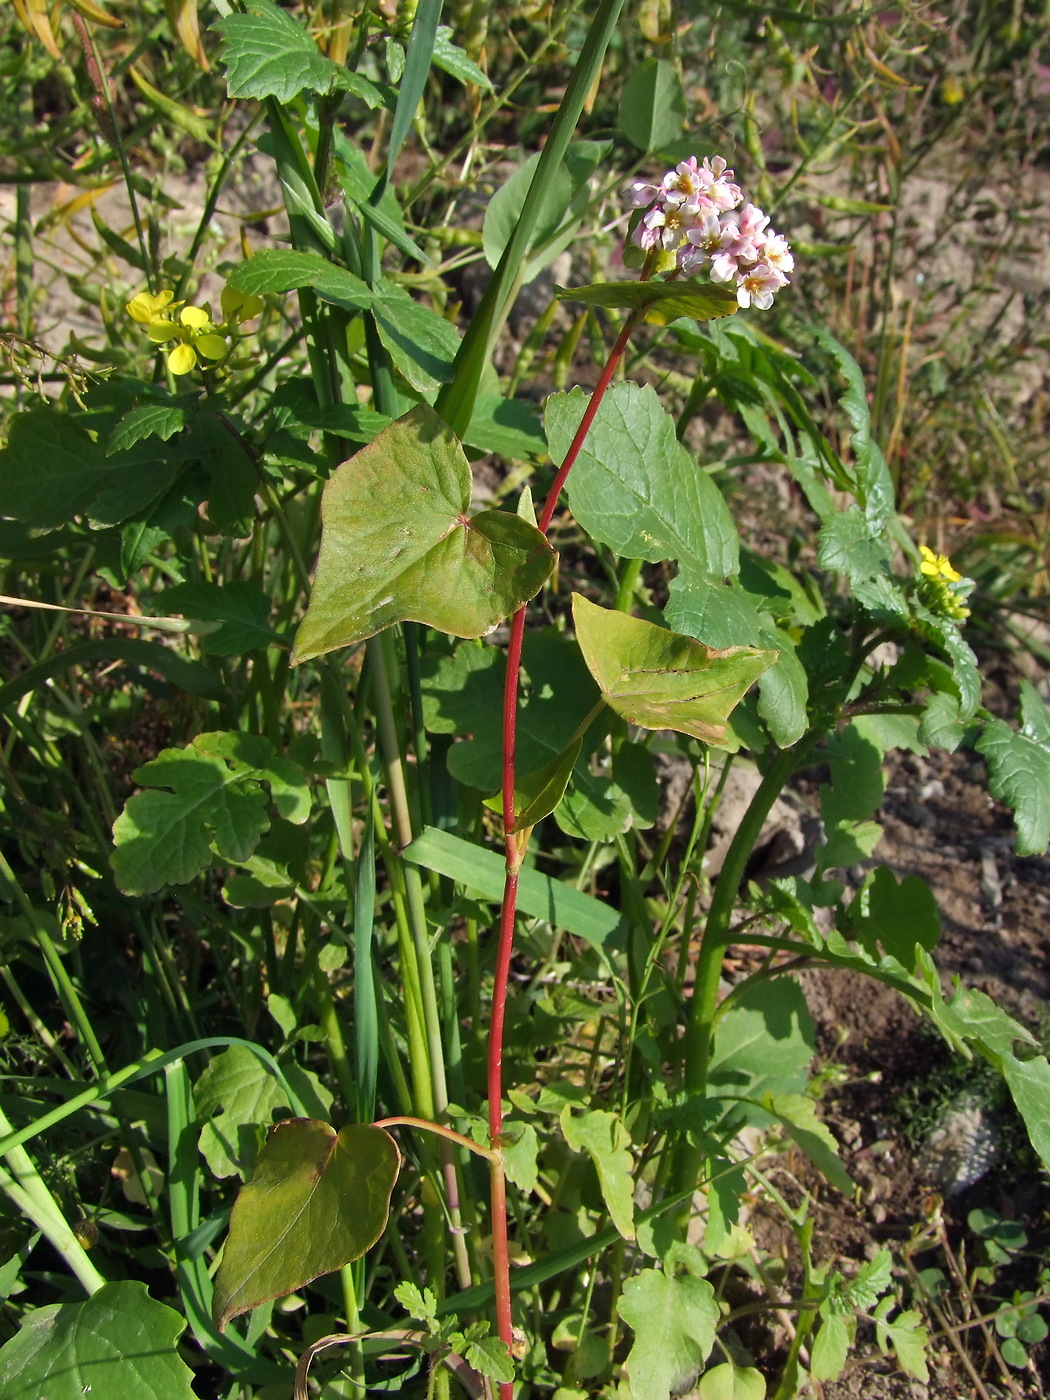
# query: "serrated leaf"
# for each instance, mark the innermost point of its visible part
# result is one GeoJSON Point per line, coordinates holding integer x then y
{"type": "Point", "coordinates": [660, 679]}
{"type": "Point", "coordinates": [872, 1280]}
{"type": "Point", "coordinates": [966, 675]}
{"type": "Point", "coordinates": [830, 1349]}
{"type": "Point", "coordinates": [215, 806]}
{"type": "Point", "coordinates": [161, 420]}
{"type": "Point", "coordinates": [850, 544]}
{"type": "Point", "coordinates": [118, 1342]}
{"type": "Point", "coordinates": [237, 1098]}
{"type": "Point", "coordinates": [267, 53]}
{"type": "Point", "coordinates": [521, 1147]}
{"type": "Point", "coordinates": [607, 1142]}
{"type": "Point", "coordinates": [895, 916]}
{"type": "Point", "coordinates": [674, 1322]}
{"type": "Point", "coordinates": [397, 544]}
{"type": "Point", "coordinates": [798, 1113]}
{"type": "Point", "coordinates": [635, 488]}
{"type": "Point", "coordinates": [491, 1357]}
{"type": "Point", "coordinates": [730, 1382]}
{"type": "Point", "coordinates": [286, 270]}
{"type": "Point", "coordinates": [421, 343]}
{"type": "Point", "coordinates": [318, 1200]}
{"type": "Point", "coordinates": [1019, 770]}
{"type": "Point", "coordinates": [662, 302]}
{"type": "Point", "coordinates": [456, 61]}
{"type": "Point", "coordinates": [652, 105]}
{"type": "Point", "coordinates": [241, 608]}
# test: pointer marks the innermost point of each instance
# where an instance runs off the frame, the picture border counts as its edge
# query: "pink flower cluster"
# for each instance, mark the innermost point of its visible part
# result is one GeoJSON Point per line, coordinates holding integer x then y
{"type": "Point", "coordinates": [695, 214]}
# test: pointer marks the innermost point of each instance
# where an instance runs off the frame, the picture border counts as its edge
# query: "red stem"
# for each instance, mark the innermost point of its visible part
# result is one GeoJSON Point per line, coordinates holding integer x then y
{"type": "Point", "coordinates": [516, 842]}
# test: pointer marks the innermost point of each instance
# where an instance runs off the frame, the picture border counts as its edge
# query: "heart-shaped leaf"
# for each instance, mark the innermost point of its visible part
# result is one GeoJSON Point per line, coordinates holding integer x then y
{"type": "Point", "coordinates": [660, 679]}
{"type": "Point", "coordinates": [663, 302]}
{"type": "Point", "coordinates": [398, 545]}
{"type": "Point", "coordinates": [318, 1200]}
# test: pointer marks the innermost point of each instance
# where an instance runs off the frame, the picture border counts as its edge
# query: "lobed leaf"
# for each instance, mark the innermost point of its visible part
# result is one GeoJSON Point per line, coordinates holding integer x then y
{"type": "Point", "coordinates": [607, 1142]}
{"type": "Point", "coordinates": [215, 806]}
{"type": "Point", "coordinates": [1019, 770]}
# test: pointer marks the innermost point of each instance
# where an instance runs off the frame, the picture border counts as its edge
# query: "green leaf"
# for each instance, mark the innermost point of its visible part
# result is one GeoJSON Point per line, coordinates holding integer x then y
{"type": "Point", "coordinates": [662, 302]}
{"type": "Point", "coordinates": [238, 1097]}
{"type": "Point", "coordinates": [536, 794]}
{"type": "Point", "coordinates": [635, 488]}
{"type": "Point", "coordinates": [286, 270]}
{"type": "Point", "coordinates": [764, 1043]}
{"type": "Point", "coordinates": [456, 62]}
{"type": "Point", "coordinates": [730, 1382]}
{"type": "Point", "coordinates": [541, 896]}
{"type": "Point", "coordinates": [397, 544]}
{"type": "Point", "coordinates": [908, 1337]}
{"type": "Point", "coordinates": [318, 1200]}
{"type": "Point", "coordinates": [421, 343]}
{"type": "Point", "coordinates": [241, 608]}
{"type": "Point", "coordinates": [190, 676]}
{"type": "Point", "coordinates": [507, 426]}
{"type": "Point", "coordinates": [652, 105]}
{"type": "Point", "coordinates": [721, 615]}
{"type": "Point", "coordinates": [850, 545]}
{"type": "Point", "coordinates": [215, 807]}
{"type": "Point", "coordinates": [674, 1322]}
{"type": "Point", "coordinates": [855, 793]}
{"type": "Point", "coordinates": [521, 1147]}
{"type": "Point", "coordinates": [118, 1342]}
{"type": "Point", "coordinates": [660, 679]}
{"type": "Point", "coordinates": [1019, 770]}
{"type": "Point", "coordinates": [971, 1015]}
{"type": "Point", "coordinates": [895, 916]}
{"type": "Point", "coordinates": [940, 726]}
{"type": "Point", "coordinates": [798, 1113]}
{"type": "Point", "coordinates": [491, 1357]}
{"type": "Point", "coordinates": [161, 420]}
{"type": "Point", "coordinates": [267, 53]}
{"type": "Point", "coordinates": [828, 1355]}
{"type": "Point", "coordinates": [607, 1142]}
{"type": "Point", "coordinates": [945, 634]}
{"type": "Point", "coordinates": [564, 198]}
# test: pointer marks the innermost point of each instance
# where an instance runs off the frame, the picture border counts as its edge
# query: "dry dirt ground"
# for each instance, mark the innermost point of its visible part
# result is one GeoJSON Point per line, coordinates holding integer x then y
{"type": "Point", "coordinates": [940, 824]}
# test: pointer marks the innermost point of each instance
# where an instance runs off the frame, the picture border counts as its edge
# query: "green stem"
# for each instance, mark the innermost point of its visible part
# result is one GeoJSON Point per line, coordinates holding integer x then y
{"type": "Point", "coordinates": [21, 1182]}
{"type": "Point", "coordinates": [717, 930]}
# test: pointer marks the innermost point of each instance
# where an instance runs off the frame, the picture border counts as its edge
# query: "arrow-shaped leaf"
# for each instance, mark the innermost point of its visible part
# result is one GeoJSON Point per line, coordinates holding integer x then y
{"type": "Point", "coordinates": [398, 545]}
{"type": "Point", "coordinates": [318, 1200]}
{"type": "Point", "coordinates": [660, 679]}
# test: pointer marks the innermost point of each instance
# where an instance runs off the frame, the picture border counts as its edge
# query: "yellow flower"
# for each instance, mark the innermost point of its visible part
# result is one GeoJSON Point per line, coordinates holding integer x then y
{"type": "Point", "coordinates": [146, 308]}
{"type": "Point", "coordinates": [937, 566]}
